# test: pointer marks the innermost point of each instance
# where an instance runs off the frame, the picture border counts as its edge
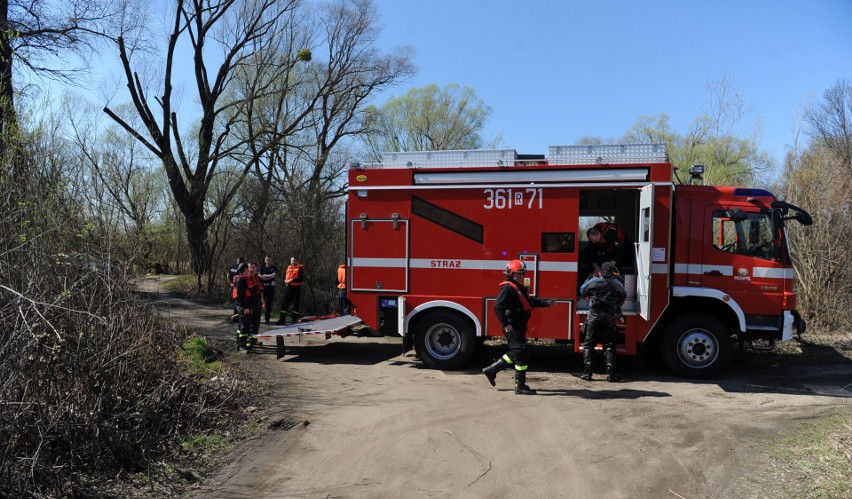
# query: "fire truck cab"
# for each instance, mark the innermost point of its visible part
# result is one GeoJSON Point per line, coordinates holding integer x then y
{"type": "Point", "coordinates": [429, 235]}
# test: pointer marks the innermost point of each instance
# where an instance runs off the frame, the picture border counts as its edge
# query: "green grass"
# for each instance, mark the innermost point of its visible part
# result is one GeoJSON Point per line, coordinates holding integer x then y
{"type": "Point", "coordinates": [194, 352]}
{"type": "Point", "coordinates": [818, 452]}
{"type": "Point", "coordinates": [182, 284]}
{"type": "Point", "coordinates": [204, 444]}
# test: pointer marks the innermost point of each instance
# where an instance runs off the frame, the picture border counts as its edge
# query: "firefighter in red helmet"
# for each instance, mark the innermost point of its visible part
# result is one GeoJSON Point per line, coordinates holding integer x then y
{"type": "Point", "coordinates": [513, 308]}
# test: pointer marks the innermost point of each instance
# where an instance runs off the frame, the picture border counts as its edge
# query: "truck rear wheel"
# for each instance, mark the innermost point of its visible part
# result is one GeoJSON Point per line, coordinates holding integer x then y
{"type": "Point", "coordinates": [696, 346]}
{"type": "Point", "coordinates": [444, 340]}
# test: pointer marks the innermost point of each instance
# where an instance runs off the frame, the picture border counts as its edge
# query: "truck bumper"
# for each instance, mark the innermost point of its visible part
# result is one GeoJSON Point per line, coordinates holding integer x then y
{"type": "Point", "coordinates": [793, 324]}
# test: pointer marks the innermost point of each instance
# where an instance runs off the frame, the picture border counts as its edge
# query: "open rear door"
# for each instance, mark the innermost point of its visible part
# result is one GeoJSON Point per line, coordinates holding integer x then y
{"type": "Point", "coordinates": [643, 249]}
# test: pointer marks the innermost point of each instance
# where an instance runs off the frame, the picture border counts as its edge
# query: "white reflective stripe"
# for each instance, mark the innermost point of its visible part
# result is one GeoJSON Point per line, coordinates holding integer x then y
{"type": "Point", "coordinates": [378, 262]}
{"type": "Point", "coordinates": [479, 177]}
{"type": "Point", "coordinates": [442, 304]}
{"type": "Point", "coordinates": [365, 188]}
{"type": "Point", "coordinates": [764, 272]}
{"type": "Point", "coordinates": [659, 268]}
{"type": "Point", "coordinates": [557, 266]}
{"type": "Point", "coordinates": [442, 263]}
{"type": "Point", "coordinates": [696, 268]}
{"type": "Point", "coordinates": [772, 273]}
{"type": "Point", "coordinates": [448, 263]}
{"type": "Point", "coordinates": [682, 291]}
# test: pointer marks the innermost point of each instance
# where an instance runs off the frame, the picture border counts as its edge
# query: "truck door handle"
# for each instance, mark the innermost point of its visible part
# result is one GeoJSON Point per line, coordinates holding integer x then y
{"type": "Point", "coordinates": [714, 273]}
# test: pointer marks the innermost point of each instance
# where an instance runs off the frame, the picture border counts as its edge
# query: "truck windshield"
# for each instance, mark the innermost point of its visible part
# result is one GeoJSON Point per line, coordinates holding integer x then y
{"type": "Point", "coordinates": [745, 233]}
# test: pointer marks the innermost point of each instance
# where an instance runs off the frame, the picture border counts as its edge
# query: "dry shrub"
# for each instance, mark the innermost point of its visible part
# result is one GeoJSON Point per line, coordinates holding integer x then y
{"type": "Point", "coordinates": [90, 385]}
{"type": "Point", "coordinates": [819, 181]}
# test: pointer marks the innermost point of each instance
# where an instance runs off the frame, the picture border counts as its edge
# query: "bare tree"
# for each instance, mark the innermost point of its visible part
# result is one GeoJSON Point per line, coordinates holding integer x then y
{"type": "Point", "coordinates": [820, 179]}
{"type": "Point", "coordinates": [119, 175]}
{"type": "Point", "coordinates": [240, 30]}
{"type": "Point", "coordinates": [37, 36]}
{"type": "Point", "coordinates": [830, 121]}
{"type": "Point", "coordinates": [300, 176]}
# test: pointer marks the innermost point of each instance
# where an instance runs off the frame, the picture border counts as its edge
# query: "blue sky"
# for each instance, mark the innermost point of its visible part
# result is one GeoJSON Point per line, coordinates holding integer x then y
{"type": "Point", "coordinates": [556, 71]}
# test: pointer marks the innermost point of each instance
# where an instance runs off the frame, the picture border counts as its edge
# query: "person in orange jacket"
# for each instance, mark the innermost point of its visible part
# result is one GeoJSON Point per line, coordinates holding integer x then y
{"type": "Point", "coordinates": [344, 306]}
{"type": "Point", "coordinates": [294, 277]}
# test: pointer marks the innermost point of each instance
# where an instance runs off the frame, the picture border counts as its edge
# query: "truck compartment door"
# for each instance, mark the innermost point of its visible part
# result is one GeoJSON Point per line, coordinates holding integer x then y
{"type": "Point", "coordinates": [644, 240]}
{"type": "Point", "coordinates": [380, 254]}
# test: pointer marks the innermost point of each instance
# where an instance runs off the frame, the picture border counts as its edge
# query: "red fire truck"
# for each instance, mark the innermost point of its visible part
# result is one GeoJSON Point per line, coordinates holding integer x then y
{"type": "Point", "coordinates": [429, 235]}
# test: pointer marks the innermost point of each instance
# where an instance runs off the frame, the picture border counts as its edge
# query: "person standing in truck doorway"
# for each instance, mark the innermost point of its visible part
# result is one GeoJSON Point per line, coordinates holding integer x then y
{"type": "Point", "coordinates": [607, 243]}
{"type": "Point", "coordinates": [514, 308]}
{"type": "Point", "coordinates": [606, 296]}
{"type": "Point", "coordinates": [293, 280]}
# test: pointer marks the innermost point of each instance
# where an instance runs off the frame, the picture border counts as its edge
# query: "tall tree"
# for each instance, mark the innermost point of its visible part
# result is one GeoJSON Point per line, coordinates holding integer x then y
{"type": "Point", "coordinates": [428, 119]}
{"type": "Point", "coordinates": [830, 121]}
{"type": "Point", "coordinates": [715, 139]}
{"type": "Point", "coordinates": [228, 35]}
{"type": "Point", "coordinates": [36, 34]}
{"type": "Point", "coordinates": [346, 72]}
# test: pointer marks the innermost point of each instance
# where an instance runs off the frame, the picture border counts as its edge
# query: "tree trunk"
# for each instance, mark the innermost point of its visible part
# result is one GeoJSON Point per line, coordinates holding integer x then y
{"type": "Point", "coordinates": [7, 92]}
{"type": "Point", "coordinates": [199, 246]}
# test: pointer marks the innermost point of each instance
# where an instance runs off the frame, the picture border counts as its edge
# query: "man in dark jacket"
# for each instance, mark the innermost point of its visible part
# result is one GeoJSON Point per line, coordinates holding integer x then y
{"type": "Point", "coordinates": [513, 308]}
{"type": "Point", "coordinates": [268, 274]}
{"type": "Point", "coordinates": [606, 295]}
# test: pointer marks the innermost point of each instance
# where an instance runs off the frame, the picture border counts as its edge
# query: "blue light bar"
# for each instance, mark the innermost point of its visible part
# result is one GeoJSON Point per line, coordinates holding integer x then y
{"type": "Point", "coordinates": [752, 192]}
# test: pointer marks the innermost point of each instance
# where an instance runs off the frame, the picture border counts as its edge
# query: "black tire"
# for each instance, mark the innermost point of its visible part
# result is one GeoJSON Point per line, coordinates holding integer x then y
{"type": "Point", "coordinates": [444, 340]}
{"type": "Point", "coordinates": [696, 346]}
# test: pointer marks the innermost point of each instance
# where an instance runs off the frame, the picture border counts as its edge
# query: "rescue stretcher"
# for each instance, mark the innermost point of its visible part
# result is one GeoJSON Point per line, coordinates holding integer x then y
{"type": "Point", "coordinates": [329, 327]}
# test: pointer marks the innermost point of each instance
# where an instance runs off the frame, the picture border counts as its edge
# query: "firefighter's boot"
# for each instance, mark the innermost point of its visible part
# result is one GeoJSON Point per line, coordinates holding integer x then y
{"type": "Point", "coordinates": [241, 339]}
{"type": "Point", "coordinates": [491, 371]}
{"type": "Point", "coordinates": [587, 364]}
{"type": "Point", "coordinates": [521, 387]}
{"type": "Point", "coordinates": [609, 356]}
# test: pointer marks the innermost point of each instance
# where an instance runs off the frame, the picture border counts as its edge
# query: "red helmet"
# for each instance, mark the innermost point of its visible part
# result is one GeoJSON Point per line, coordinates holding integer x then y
{"type": "Point", "coordinates": [515, 266]}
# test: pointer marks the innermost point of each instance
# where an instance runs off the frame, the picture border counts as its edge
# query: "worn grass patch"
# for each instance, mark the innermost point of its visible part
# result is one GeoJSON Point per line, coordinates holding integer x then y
{"type": "Point", "coordinates": [815, 458]}
{"type": "Point", "coordinates": [204, 444]}
{"type": "Point", "coordinates": [184, 285]}
{"type": "Point", "coordinates": [199, 357]}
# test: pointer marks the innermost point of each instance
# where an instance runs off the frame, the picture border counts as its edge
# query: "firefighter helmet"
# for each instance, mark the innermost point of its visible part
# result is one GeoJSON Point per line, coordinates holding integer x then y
{"type": "Point", "coordinates": [515, 266]}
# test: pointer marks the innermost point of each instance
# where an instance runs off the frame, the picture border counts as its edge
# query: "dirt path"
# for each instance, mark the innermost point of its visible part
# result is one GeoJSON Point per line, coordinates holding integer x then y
{"type": "Point", "coordinates": [374, 423]}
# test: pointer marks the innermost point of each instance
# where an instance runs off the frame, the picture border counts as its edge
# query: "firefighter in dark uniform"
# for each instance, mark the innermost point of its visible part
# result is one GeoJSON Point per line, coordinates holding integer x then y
{"type": "Point", "coordinates": [606, 296]}
{"type": "Point", "coordinates": [232, 274]}
{"type": "Point", "coordinates": [513, 308]}
{"type": "Point", "coordinates": [243, 304]}
{"type": "Point", "coordinates": [268, 273]}
{"type": "Point", "coordinates": [293, 279]}
{"type": "Point", "coordinates": [607, 243]}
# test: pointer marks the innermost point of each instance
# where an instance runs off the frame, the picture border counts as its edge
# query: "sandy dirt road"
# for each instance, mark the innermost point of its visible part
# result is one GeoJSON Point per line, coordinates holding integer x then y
{"type": "Point", "coordinates": [356, 418]}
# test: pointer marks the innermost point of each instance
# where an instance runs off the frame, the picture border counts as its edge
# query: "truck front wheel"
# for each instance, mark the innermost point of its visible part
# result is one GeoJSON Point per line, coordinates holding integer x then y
{"type": "Point", "coordinates": [696, 346]}
{"type": "Point", "coordinates": [444, 340]}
